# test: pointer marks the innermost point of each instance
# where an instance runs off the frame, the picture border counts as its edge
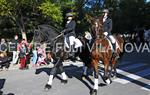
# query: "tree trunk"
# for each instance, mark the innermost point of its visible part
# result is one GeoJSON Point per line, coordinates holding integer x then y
{"type": "Point", "coordinates": [23, 28]}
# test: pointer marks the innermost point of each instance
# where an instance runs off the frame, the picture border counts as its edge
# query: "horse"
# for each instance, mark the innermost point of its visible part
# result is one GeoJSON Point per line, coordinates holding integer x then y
{"type": "Point", "coordinates": [53, 38]}
{"type": "Point", "coordinates": [57, 51]}
{"type": "Point", "coordinates": [88, 55]}
{"type": "Point", "coordinates": [102, 51]}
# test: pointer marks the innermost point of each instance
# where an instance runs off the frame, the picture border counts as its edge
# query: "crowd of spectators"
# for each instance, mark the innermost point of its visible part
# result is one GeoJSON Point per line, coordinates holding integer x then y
{"type": "Point", "coordinates": [20, 52]}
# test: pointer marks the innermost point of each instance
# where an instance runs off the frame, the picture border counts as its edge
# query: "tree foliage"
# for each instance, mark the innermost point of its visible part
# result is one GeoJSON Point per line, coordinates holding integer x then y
{"type": "Point", "coordinates": [25, 15]}
{"type": "Point", "coordinates": [5, 8]}
{"type": "Point", "coordinates": [51, 10]}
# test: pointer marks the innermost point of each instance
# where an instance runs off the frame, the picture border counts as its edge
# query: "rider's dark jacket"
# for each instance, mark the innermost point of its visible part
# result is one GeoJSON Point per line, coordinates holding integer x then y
{"type": "Point", "coordinates": [70, 28]}
{"type": "Point", "coordinates": [108, 26]}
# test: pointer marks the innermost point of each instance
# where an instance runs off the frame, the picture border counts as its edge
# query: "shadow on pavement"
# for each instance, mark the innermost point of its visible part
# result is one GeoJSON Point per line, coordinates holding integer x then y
{"type": "Point", "coordinates": [2, 82]}
{"type": "Point", "coordinates": [137, 64]}
{"type": "Point", "coordinates": [72, 71]}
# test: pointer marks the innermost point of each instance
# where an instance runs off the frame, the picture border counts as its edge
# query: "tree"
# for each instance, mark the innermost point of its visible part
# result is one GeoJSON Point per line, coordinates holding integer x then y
{"type": "Point", "coordinates": [17, 11]}
{"type": "Point", "coordinates": [51, 10]}
{"type": "Point", "coordinates": [126, 17]}
{"type": "Point", "coordinates": [24, 15]}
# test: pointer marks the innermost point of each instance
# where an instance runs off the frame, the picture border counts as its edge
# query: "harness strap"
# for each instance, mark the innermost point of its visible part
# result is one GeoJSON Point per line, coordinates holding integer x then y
{"type": "Point", "coordinates": [57, 36]}
{"type": "Point", "coordinates": [53, 41]}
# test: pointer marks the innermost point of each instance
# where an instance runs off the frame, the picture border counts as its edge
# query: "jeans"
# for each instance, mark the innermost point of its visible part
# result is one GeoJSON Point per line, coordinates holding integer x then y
{"type": "Point", "coordinates": [15, 57]}
{"type": "Point", "coordinates": [34, 58]}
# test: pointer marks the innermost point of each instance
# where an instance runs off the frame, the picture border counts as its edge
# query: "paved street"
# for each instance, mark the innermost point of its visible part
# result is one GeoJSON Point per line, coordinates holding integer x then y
{"type": "Point", "coordinates": [34, 31]}
{"type": "Point", "coordinates": [133, 79]}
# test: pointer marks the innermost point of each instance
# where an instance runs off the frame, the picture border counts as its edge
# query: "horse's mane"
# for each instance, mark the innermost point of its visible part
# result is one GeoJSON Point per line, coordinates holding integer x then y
{"type": "Point", "coordinates": [45, 33]}
{"type": "Point", "coordinates": [99, 20]}
{"type": "Point", "coordinates": [48, 26]}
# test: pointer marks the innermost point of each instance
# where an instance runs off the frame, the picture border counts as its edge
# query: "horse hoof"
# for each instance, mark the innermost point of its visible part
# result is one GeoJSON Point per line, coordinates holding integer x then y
{"type": "Point", "coordinates": [64, 81]}
{"type": "Point", "coordinates": [108, 81]}
{"type": "Point", "coordinates": [104, 79]}
{"type": "Point", "coordinates": [47, 87]}
{"type": "Point", "coordinates": [93, 92]}
{"type": "Point", "coordinates": [114, 77]}
{"type": "Point", "coordinates": [83, 77]}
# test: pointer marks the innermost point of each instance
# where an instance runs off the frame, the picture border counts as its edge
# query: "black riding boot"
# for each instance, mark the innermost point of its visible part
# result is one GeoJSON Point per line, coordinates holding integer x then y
{"type": "Point", "coordinates": [72, 53]}
{"type": "Point", "coordinates": [114, 47]}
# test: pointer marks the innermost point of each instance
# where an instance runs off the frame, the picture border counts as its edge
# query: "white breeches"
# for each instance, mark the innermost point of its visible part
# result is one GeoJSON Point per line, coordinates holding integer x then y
{"type": "Point", "coordinates": [113, 40]}
{"type": "Point", "coordinates": [73, 41]}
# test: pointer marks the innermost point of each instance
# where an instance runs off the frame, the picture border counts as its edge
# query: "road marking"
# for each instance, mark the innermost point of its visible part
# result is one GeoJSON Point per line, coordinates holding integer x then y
{"type": "Point", "coordinates": [131, 77]}
{"type": "Point", "coordinates": [146, 88]}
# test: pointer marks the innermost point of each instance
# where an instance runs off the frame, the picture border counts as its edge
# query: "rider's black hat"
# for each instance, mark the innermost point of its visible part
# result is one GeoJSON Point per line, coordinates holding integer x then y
{"type": "Point", "coordinates": [69, 15]}
{"type": "Point", "coordinates": [105, 11]}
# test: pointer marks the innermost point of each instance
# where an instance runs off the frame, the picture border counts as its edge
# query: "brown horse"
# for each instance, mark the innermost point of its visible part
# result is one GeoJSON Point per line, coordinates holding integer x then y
{"type": "Point", "coordinates": [102, 51]}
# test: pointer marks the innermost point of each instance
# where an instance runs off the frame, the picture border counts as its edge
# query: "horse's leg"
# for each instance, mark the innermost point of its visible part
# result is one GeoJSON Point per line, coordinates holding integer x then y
{"type": "Point", "coordinates": [86, 61]}
{"type": "Point", "coordinates": [106, 77]}
{"type": "Point", "coordinates": [64, 76]}
{"type": "Point", "coordinates": [95, 65]}
{"type": "Point", "coordinates": [85, 70]}
{"type": "Point", "coordinates": [114, 71]}
{"type": "Point", "coordinates": [84, 75]}
{"type": "Point", "coordinates": [111, 69]}
{"type": "Point", "coordinates": [52, 74]}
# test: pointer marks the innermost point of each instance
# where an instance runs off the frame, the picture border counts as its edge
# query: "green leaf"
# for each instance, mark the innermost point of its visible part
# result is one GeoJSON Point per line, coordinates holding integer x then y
{"type": "Point", "coordinates": [51, 10]}
{"type": "Point", "coordinates": [5, 8]}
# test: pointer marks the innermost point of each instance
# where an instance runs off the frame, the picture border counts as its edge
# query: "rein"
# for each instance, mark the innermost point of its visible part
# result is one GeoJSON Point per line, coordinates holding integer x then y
{"type": "Point", "coordinates": [52, 44]}
{"type": "Point", "coordinates": [57, 37]}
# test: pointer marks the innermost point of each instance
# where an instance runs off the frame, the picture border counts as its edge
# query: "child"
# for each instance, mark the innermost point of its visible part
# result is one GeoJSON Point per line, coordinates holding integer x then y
{"type": "Point", "coordinates": [41, 56]}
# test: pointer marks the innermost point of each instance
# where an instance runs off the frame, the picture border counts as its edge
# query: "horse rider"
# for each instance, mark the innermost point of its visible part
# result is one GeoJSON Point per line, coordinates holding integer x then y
{"type": "Point", "coordinates": [70, 35]}
{"type": "Point", "coordinates": [107, 21]}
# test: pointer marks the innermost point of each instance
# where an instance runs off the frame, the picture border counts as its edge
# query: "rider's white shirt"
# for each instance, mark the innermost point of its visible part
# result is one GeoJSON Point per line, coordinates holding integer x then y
{"type": "Point", "coordinates": [68, 21]}
{"type": "Point", "coordinates": [104, 18]}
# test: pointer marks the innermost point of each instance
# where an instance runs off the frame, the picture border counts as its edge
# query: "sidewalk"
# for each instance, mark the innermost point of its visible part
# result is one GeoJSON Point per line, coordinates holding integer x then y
{"type": "Point", "coordinates": [66, 63]}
